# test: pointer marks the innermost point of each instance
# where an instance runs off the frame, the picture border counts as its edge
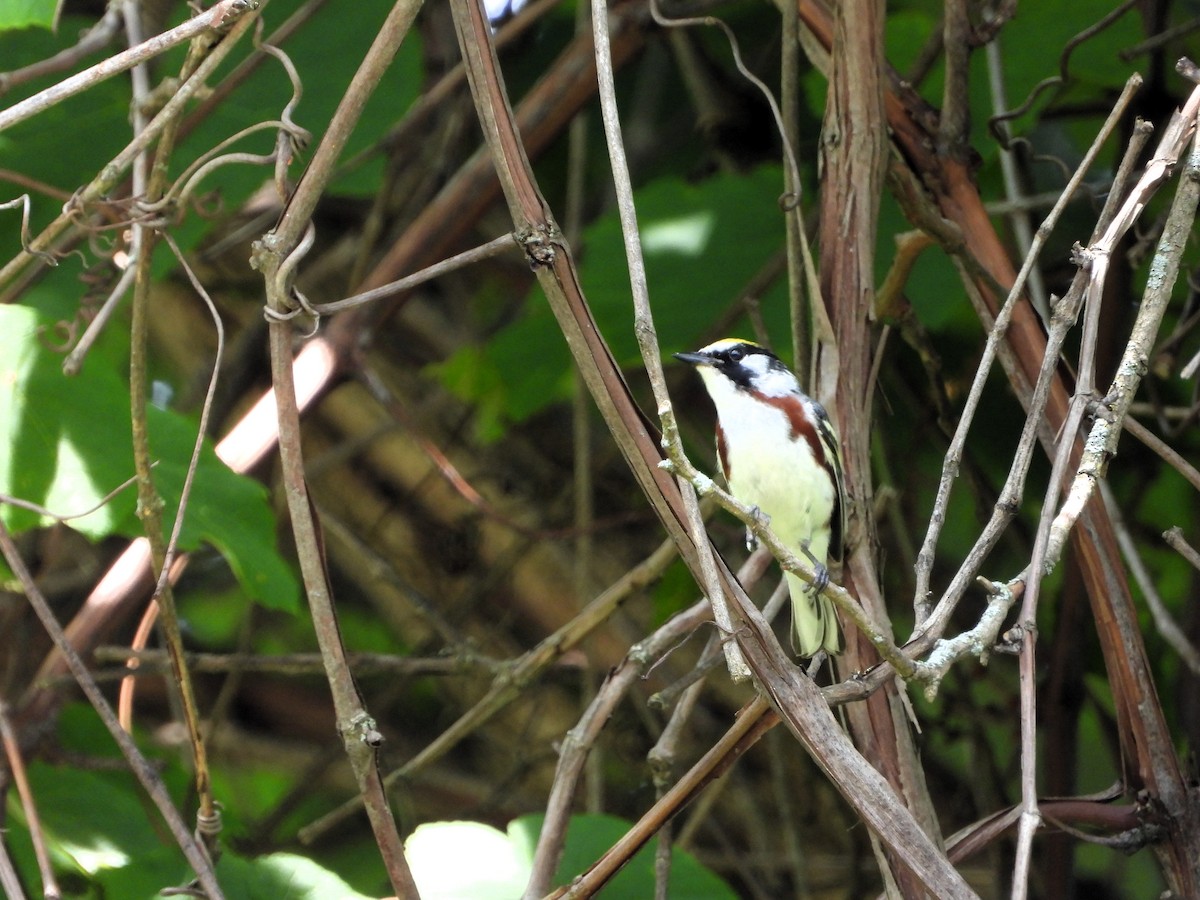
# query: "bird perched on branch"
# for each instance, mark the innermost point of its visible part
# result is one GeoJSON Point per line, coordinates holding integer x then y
{"type": "Point", "coordinates": [779, 454]}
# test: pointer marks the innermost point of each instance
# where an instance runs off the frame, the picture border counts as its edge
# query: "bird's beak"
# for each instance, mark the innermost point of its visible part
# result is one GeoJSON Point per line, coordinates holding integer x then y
{"type": "Point", "coordinates": [696, 359]}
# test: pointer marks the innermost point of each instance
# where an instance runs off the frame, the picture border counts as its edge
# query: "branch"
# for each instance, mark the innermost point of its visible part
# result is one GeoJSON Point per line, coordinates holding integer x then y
{"type": "Point", "coordinates": [142, 770]}
{"type": "Point", "coordinates": [1101, 443]}
{"type": "Point", "coordinates": [276, 256]}
{"type": "Point", "coordinates": [220, 15]}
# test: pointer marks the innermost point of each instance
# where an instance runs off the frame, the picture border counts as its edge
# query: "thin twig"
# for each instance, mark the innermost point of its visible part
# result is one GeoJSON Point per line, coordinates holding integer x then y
{"type": "Point", "coordinates": [1164, 37]}
{"type": "Point", "coordinates": [10, 881]}
{"type": "Point", "coordinates": [95, 38]}
{"type": "Point", "coordinates": [1014, 190]}
{"type": "Point", "coordinates": [155, 662]}
{"type": "Point", "coordinates": [73, 363]}
{"type": "Point", "coordinates": [129, 684]}
{"type": "Point", "coordinates": [274, 255]}
{"type": "Point", "coordinates": [67, 517]}
{"type": "Point", "coordinates": [408, 282]}
{"type": "Point", "coordinates": [149, 183]}
{"type": "Point", "coordinates": [994, 345]}
{"type": "Point", "coordinates": [1174, 537]}
{"type": "Point", "coordinates": [514, 677]}
{"type": "Point", "coordinates": [220, 15]}
{"type": "Point", "coordinates": [954, 121]}
{"type": "Point", "coordinates": [644, 327]}
{"type": "Point", "coordinates": [1163, 620]}
{"type": "Point", "coordinates": [17, 771]}
{"type": "Point", "coordinates": [205, 412]}
{"type": "Point", "coordinates": [790, 103]}
{"type": "Point", "coordinates": [583, 486]}
{"type": "Point", "coordinates": [141, 768]}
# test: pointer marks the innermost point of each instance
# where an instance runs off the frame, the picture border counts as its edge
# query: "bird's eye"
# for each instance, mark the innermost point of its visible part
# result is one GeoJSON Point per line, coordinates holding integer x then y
{"type": "Point", "coordinates": [736, 354]}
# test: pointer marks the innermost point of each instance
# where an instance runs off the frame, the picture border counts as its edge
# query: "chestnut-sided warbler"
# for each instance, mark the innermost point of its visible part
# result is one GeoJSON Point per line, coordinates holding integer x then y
{"type": "Point", "coordinates": [779, 454]}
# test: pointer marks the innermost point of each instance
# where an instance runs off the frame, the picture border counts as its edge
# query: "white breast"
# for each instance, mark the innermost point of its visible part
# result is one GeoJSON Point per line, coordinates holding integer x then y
{"type": "Point", "coordinates": [772, 470]}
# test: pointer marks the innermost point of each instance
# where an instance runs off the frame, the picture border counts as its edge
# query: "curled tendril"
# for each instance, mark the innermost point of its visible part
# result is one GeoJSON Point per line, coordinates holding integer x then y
{"type": "Point", "coordinates": [789, 154]}
{"type": "Point", "coordinates": [208, 162]}
{"type": "Point", "coordinates": [1093, 192]}
{"type": "Point", "coordinates": [101, 242]}
{"type": "Point", "coordinates": [288, 266]}
{"type": "Point", "coordinates": [26, 238]}
{"type": "Point", "coordinates": [57, 338]}
{"type": "Point", "coordinates": [275, 315]}
{"type": "Point", "coordinates": [209, 205]}
{"type": "Point", "coordinates": [1063, 76]}
{"type": "Point", "coordinates": [284, 286]}
{"type": "Point", "coordinates": [292, 138]}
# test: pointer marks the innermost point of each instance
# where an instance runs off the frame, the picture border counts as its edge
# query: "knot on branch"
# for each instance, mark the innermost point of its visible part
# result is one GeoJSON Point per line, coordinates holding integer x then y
{"type": "Point", "coordinates": [1188, 69]}
{"type": "Point", "coordinates": [1010, 642]}
{"type": "Point", "coordinates": [236, 10]}
{"type": "Point", "coordinates": [1101, 408]}
{"type": "Point", "coordinates": [362, 727]}
{"type": "Point", "coordinates": [538, 242]}
{"type": "Point", "coordinates": [1081, 256]}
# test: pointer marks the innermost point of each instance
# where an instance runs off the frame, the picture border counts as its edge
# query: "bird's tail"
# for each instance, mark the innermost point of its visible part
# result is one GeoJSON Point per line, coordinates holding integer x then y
{"type": "Point", "coordinates": [814, 621]}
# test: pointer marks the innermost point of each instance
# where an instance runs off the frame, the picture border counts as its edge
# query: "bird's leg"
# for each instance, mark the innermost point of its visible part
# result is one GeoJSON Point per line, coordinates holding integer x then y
{"type": "Point", "coordinates": [763, 519]}
{"type": "Point", "coordinates": [821, 573]}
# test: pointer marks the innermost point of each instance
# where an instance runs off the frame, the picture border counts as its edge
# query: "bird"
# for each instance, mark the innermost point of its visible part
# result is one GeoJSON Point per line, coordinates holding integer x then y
{"type": "Point", "coordinates": [778, 451]}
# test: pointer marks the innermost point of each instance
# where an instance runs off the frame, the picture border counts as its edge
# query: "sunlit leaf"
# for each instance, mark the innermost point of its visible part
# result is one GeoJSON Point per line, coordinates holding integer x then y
{"type": "Point", "coordinates": [29, 13]}
{"type": "Point", "coordinates": [66, 445]}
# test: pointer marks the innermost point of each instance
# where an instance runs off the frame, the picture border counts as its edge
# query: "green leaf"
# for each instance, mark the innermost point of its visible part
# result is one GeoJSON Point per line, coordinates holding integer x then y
{"type": "Point", "coordinates": [590, 836]}
{"type": "Point", "coordinates": [702, 244]}
{"type": "Point", "coordinates": [110, 841]}
{"type": "Point", "coordinates": [326, 52]}
{"type": "Point", "coordinates": [501, 863]}
{"type": "Point", "coordinates": [280, 875]}
{"type": "Point", "coordinates": [227, 510]}
{"type": "Point", "coordinates": [109, 831]}
{"type": "Point", "coordinates": [29, 13]}
{"type": "Point", "coordinates": [64, 445]}
{"type": "Point", "coordinates": [44, 148]}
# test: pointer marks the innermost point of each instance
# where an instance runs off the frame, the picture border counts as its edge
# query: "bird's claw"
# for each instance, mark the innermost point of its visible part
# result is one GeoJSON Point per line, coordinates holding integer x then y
{"type": "Point", "coordinates": [762, 519]}
{"type": "Point", "coordinates": [820, 580]}
{"type": "Point", "coordinates": [820, 572]}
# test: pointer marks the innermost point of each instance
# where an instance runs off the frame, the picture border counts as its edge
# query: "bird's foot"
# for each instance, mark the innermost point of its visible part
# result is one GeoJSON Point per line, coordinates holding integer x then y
{"type": "Point", "coordinates": [761, 518]}
{"type": "Point", "coordinates": [821, 581]}
{"type": "Point", "coordinates": [820, 571]}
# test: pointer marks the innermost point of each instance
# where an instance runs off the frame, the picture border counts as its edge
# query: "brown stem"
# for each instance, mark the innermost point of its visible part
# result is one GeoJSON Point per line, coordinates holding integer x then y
{"type": "Point", "coordinates": [799, 701]}
{"type": "Point", "coordinates": [141, 768]}
{"type": "Point", "coordinates": [276, 256]}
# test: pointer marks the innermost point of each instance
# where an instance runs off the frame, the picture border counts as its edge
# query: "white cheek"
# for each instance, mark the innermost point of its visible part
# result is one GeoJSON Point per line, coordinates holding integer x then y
{"type": "Point", "coordinates": [777, 383]}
